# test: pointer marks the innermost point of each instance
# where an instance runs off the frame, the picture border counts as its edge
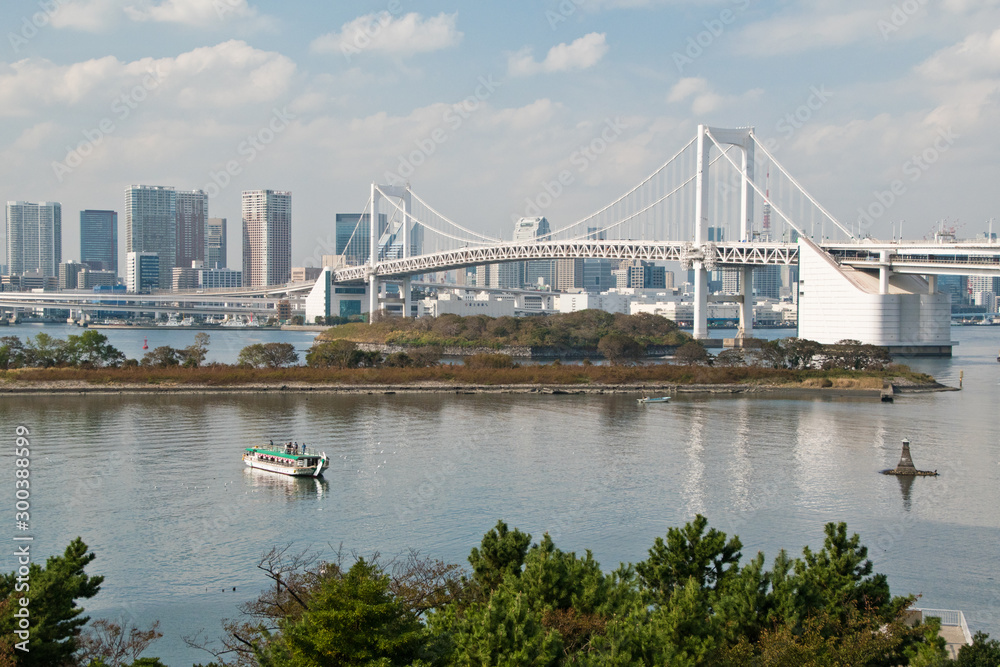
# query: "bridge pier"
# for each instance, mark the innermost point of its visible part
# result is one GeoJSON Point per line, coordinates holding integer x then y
{"type": "Point", "coordinates": [700, 323]}
{"type": "Point", "coordinates": [746, 302]}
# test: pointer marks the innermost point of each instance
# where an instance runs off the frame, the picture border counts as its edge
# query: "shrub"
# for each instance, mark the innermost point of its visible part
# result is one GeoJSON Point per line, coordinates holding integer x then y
{"type": "Point", "coordinates": [489, 360]}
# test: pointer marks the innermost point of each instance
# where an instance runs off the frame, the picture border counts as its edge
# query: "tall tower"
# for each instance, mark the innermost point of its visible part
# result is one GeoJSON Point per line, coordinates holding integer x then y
{"type": "Point", "coordinates": [192, 212]}
{"type": "Point", "coordinates": [267, 237]}
{"type": "Point", "coordinates": [34, 237]}
{"type": "Point", "coordinates": [151, 225]}
{"type": "Point", "coordinates": [99, 240]}
{"type": "Point", "coordinates": [215, 243]}
{"type": "Point", "coordinates": [766, 222]}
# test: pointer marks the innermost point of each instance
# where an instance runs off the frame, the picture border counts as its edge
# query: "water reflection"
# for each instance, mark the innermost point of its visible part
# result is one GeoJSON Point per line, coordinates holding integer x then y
{"type": "Point", "coordinates": [291, 488]}
{"type": "Point", "coordinates": [905, 484]}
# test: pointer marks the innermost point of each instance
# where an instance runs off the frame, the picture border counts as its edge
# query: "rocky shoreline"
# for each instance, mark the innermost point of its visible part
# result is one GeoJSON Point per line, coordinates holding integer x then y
{"type": "Point", "coordinates": [78, 387]}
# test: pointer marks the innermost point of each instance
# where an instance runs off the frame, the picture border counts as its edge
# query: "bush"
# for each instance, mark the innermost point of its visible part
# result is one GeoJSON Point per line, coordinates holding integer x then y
{"type": "Point", "coordinates": [489, 360]}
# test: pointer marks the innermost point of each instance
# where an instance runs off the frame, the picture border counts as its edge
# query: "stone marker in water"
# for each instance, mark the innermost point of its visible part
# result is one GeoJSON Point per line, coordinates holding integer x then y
{"type": "Point", "coordinates": [906, 467]}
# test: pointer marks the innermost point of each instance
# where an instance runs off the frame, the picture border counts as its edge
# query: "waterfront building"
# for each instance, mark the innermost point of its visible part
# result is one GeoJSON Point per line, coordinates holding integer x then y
{"type": "Point", "coordinates": [142, 272]}
{"type": "Point", "coordinates": [99, 240]}
{"type": "Point", "coordinates": [151, 225]}
{"type": "Point", "coordinates": [767, 281]}
{"type": "Point", "coordinates": [267, 237]}
{"type": "Point", "coordinates": [185, 277]}
{"type": "Point", "coordinates": [639, 274]}
{"type": "Point", "coordinates": [216, 252]}
{"type": "Point", "coordinates": [34, 237]}
{"type": "Point", "coordinates": [192, 214]}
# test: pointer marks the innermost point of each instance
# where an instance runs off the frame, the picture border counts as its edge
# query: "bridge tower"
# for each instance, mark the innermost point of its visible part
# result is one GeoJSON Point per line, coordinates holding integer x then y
{"type": "Point", "coordinates": [743, 139]}
{"type": "Point", "coordinates": [402, 193]}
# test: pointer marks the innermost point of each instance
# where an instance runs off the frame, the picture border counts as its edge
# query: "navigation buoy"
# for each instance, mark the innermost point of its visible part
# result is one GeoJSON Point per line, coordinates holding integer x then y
{"type": "Point", "coordinates": [144, 345]}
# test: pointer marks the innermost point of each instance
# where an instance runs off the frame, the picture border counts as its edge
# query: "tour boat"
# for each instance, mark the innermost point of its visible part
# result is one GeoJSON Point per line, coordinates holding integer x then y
{"type": "Point", "coordinates": [653, 399]}
{"type": "Point", "coordinates": [287, 460]}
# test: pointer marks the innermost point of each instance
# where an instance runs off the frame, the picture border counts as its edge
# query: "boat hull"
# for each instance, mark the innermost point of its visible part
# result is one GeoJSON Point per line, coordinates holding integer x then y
{"type": "Point", "coordinates": [290, 467]}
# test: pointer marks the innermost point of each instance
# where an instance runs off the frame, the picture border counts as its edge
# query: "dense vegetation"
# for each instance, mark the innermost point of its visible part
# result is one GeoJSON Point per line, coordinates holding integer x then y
{"type": "Point", "coordinates": [336, 359]}
{"type": "Point", "coordinates": [581, 330]}
{"type": "Point", "coordinates": [694, 601]}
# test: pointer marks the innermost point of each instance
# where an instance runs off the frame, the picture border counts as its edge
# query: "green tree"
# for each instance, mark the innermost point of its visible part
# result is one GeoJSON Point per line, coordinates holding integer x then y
{"type": "Point", "coordinates": [983, 652]}
{"type": "Point", "coordinates": [350, 620]}
{"type": "Point", "coordinates": [689, 552]}
{"type": "Point", "coordinates": [92, 349]}
{"type": "Point", "coordinates": [56, 619]}
{"type": "Point", "coordinates": [337, 353]}
{"type": "Point", "coordinates": [13, 353]}
{"type": "Point", "coordinates": [163, 356]}
{"type": "Point", "coordinates": [691, 352]}
{"type": "Point", "coordinates": [276, 355]}
{"type": "Point", "coordinates": [500, 554]}
{"type": "Point", "coordinates": [46, 351]}
{"type": "Point", "coordinates": [619, 349]}
{"type": "Point", "coordinates": [194, 354]}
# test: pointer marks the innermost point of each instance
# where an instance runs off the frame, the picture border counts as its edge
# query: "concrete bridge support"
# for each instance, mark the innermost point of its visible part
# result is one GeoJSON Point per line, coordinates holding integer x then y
{"type": "Point", "coordinates": [746, 301]}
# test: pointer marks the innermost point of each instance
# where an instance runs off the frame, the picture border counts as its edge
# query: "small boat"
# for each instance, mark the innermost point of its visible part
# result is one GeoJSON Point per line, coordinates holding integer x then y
{"type": "Point", "coordinates": [653, 399]}
{"type": "Point", "coordinates": [286, 459]}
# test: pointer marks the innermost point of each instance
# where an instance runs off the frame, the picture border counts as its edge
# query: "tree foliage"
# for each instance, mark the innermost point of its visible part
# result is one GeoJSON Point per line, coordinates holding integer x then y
{"type": "Point", "coordinates": [268, 355]}
{"type": "Point", "coordinates": [53, 593]}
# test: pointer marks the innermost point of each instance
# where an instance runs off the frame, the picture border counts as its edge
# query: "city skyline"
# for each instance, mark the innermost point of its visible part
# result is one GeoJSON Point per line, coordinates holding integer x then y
{"type": "Point", "coordinates": [884, 113]}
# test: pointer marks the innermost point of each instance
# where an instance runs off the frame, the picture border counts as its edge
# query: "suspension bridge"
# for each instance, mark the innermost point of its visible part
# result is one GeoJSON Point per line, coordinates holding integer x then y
{"type": "Point", "coordinates": [721, 202]}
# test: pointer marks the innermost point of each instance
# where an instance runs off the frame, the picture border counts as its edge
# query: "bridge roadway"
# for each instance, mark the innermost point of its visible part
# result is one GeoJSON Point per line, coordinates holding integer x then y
{"type": "Point", "coordinates": [925, 258]}
{"type": "Point", "coordinates": [197, 302]}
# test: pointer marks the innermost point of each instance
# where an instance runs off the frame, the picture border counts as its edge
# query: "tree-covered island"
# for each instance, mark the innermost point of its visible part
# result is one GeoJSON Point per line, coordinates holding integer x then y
{"type": "Point", "coordinates": [638, 351]}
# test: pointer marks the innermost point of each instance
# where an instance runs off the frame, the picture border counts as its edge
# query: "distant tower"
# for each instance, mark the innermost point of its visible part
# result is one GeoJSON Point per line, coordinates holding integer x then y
{"type": "Point", "coordinates": [267, 237]}
{"type": "Point", "coordinates": [34, 237]}
{"type": "Point", "coordinates": [215, 243]}
{"type": "Point", "coordinates": [192, 211]}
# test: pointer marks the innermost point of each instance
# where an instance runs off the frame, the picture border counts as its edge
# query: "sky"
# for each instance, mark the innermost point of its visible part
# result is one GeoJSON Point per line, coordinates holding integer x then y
{"type": "Point", "coordinates": [879, 108]}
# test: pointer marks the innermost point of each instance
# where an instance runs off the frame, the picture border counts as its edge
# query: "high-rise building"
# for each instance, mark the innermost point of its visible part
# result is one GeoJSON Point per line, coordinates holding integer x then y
{"type": "Point", "coordinates": [569, 274]}
{"type": "Point", "coordinates": [151, 224]}
{"type": "Point", "coordinates": [267, 237]}
{"type": "Point", "coordinates": [353, 232]}
{"type": "Point", "coordinates": [536, 271]}
{"type": "Point", "coordinates": [638, 274]}
{"type": "Point", "coordinates": [597, 276]}
{"type": "Point", "coordinates": [215, 243]}
{"type": "Point", "coordinates": [767, 281]}
{"type": "Point", "coordinates": [34, 237]}
{"type": "Point", "coordinates": [99, 240]}
{"type": "Point", "coordinates": [142, 272]}
{"type": "Point", "coordinates": [68, 274]}
{"type": "Point", "coordinates": [192, 212]}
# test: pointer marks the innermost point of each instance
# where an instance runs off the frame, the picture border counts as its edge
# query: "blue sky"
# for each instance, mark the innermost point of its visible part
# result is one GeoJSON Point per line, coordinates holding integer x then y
{"type": "Point", "coordinates": [166, 92]}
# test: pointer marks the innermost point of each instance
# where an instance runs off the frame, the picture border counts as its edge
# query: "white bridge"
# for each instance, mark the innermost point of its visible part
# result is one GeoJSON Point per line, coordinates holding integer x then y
{"type": "Point", "coordinates": [721, 202]}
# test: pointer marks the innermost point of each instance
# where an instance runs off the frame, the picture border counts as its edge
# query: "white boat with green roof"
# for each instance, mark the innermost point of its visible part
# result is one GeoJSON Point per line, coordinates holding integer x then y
{"type": "Point", "coordinates": [287, 459]}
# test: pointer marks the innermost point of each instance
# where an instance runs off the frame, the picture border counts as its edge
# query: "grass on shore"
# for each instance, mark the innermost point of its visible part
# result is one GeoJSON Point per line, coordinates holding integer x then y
{"type": "Point", "coordinates": [549, 374]}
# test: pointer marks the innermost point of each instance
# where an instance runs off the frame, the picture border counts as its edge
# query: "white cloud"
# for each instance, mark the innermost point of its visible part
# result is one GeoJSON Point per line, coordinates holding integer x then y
{"type": "Point", "coordinates": [811, 29]}
{"type": "Point", "coordinates": [582, 53]}
{"type": "Point", "coordinates": [190, 12]}
{"type": "Point", "coordinates": [86, 15]}
{"type": "Point", "coordinates": [704, 99]}
{"type": "Point", "coordinates": [403, 36]}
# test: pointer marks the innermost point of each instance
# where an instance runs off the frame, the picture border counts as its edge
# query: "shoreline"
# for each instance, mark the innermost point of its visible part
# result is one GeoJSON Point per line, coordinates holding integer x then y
{"type": "Point", "coordinates": [80, 387]}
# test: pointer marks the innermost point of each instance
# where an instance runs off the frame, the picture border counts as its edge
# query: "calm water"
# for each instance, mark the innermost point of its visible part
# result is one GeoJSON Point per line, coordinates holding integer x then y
{"type": "Point", "coordinates": [156, 487]}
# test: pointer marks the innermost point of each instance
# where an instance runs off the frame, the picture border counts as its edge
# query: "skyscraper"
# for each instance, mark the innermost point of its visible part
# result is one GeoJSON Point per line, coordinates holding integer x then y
{"type": "Point", "coordinates": [536, 271]}
{"type": "Point", "coordinates": [353, 231]}
{"type": "Point", "coordinates": [99, 240]}
{"type": "Point", "coordinates": [192, 211]}
{"type": "Point", "coordinates": [151, 224]}
{"type": "Point", "coordinates": [215, 243]}
{"type": "Point", "coordinates": [34, 237]}
{"type": "Point", "coordinates": [267, 237]}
